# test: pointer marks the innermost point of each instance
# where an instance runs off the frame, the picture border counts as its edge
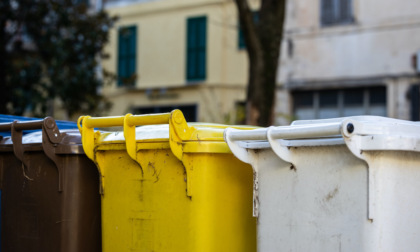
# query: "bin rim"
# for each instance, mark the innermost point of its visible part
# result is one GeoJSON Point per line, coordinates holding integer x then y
{"type": "Point", "coordinates": [359, 133]}
{"type": "Point", "coordinates": [160, 129]}
{"type": "Point", "coordinates": [70, 144]}
{"type": "Point", "coordinates": [160, 133]}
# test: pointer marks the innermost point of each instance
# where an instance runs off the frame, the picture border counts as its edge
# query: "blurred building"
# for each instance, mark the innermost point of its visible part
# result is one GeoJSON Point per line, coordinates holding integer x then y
{"type": "Point", "coordinates": [339, 58]}
{"type": "Point", "coordinates": [169, 54]}
{"type": "Point", "coordinates": [350, 57]}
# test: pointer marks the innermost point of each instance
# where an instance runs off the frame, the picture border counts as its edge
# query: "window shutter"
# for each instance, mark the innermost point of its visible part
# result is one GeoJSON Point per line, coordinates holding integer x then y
{"type": "Point", "coordinates": [201, 56]}
{"type": "Point", "coordinates": [132, 53]}
{"type": "Point", "coordinates": [127, 39]}
{"type": "Point", "coordinates": [191, 41]}
{"type": "Point", "coordinates": [196, 48]}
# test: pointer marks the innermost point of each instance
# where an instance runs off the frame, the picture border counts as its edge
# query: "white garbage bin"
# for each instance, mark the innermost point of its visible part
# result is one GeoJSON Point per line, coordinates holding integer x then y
{"type": "Point", "coordinates": [345, 184]}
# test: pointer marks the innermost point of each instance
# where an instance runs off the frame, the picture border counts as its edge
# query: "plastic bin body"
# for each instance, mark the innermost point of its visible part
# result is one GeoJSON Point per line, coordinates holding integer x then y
{"type": "Point", "coordinates": [49, 205]}
{"type": "Point", "coordinates": [155, 201]}
{"type": "Point", "coordinates": [324, 197]}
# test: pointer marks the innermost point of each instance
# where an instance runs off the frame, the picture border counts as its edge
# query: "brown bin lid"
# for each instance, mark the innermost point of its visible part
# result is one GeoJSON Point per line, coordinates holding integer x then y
{"type": "Point", "coordinates": [63, 142]}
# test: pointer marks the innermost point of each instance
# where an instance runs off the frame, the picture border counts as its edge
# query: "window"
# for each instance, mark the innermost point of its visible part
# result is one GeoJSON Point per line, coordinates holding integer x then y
{"type": "Point", "coordinates": [304, 104]}
{"type": "Point", "coordinates": [354, 102]}
{"type": "Point", "coordinates": [196, 48]}
{"type": "Point", "coordinates": [335, 12]}
{"type": "Point", "coordinates": [328, 101]}
{"type": "Point", "coordinates": [241, 39]}
{"type": "Point", "coordinates": [340, 102]}
{"type": "Point", "coordinates": [127, 37]}
{"type": "Point", "coordinates": [189, 111]}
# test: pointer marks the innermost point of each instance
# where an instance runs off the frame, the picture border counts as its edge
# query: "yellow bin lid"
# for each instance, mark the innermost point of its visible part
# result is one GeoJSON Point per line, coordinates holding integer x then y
{"type": "Point", "coordinates": [167, 130]}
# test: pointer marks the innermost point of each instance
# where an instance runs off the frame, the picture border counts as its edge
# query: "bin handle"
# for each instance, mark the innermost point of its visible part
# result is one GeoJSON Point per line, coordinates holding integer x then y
{"type": "Point", "coordinates": [53, 133]}
{"type": "Point", "coordinates": [232, 136]}
{"type": "Point", "coordinates": [50, 135]}
{"type": "Point", "coordinates": [178, 130]}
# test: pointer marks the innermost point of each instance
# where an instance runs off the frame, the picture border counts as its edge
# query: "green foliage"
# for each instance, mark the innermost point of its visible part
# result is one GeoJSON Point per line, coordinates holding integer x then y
{"type": "Point", "coordinates": [51, 49]}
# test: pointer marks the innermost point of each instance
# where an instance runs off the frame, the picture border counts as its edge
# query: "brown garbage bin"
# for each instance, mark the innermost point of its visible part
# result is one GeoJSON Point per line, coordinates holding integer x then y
{"type": "Point", "coordinates": [50, 191]}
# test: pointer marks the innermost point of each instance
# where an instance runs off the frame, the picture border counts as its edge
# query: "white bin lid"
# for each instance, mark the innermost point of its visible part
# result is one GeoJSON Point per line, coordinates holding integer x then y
{"type": "Point", "coordinates": [359, 133]}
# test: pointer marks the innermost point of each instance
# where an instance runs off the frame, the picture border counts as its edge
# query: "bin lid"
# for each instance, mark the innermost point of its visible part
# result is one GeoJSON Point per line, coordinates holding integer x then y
{"type": "Point", "coordinates": [160, 133]}
{"type": "Point", "coordinates": [63, 142]}
{"type": "Point", "coordinates": [153, 131]}
{"type": "Point", "coordinates": [359, 133]}
{"type": "Point", "coordinates": [202, 138]}
{"type": "Point", "coordinates": [11, 118]}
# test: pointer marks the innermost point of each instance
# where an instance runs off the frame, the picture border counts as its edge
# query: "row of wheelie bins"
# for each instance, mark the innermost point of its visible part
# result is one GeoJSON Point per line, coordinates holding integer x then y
{"type": "Point", "coordinates": [162, 184]}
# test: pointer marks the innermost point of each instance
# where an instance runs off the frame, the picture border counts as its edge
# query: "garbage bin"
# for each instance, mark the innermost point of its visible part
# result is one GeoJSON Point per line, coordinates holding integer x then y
{"type": "Point", "coordinates": [50, 190]}
{"type": "Point", "coordinates": [346, 184]}
{"type": "Point", "coordinates": [171, 187]}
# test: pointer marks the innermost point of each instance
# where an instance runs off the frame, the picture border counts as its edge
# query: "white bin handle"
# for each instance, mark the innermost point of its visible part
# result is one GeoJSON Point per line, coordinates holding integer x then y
{"type": "Point", "coordinates": [276, 134]}
{"type": "Point", "coordinates": [232, 136]}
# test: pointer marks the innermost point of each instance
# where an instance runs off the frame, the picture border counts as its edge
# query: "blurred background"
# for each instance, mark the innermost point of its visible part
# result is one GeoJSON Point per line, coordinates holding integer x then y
{"type": "Point", "coordinates": [65, 58]}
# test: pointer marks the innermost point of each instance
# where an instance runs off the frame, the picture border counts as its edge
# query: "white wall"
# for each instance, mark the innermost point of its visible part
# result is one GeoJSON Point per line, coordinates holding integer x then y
{"type": "Point", "coordinates": [380, 43]}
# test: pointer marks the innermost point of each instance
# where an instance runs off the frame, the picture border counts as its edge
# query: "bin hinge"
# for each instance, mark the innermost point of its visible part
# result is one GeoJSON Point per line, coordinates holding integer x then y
{"type": "Point", "coordinates": [179, 131]}
{"type": "Point", "coordinates": [51, 136]}
{"type": "Point", "coordinates": [390, 134]}
{"type": "Point", "coordinates": [89, 138]}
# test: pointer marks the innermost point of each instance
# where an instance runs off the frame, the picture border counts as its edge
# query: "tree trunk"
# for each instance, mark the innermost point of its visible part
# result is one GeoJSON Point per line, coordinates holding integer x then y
{"type": "Point", "coordinates": [263, 42]}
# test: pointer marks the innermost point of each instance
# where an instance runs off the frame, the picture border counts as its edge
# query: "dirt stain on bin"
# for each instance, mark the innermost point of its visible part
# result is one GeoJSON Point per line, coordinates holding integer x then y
{"type": "Point", "coordinates": [331, 195]}
{"type": "Point", "coordinates": [292, 167]}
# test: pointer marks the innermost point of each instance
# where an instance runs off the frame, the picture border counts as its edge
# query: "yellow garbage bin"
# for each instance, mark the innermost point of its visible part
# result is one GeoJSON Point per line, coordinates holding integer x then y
{"type": "Point", "coordinates": [169, 186]}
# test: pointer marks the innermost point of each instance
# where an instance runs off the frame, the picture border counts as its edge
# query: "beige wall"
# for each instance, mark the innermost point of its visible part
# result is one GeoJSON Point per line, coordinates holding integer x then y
{"type": "Point", "coordinates": [161, 58]}
{"type": "Point", "coordinates": [214, 103]}
{"type": "Point", "coordinates": [161, 42]}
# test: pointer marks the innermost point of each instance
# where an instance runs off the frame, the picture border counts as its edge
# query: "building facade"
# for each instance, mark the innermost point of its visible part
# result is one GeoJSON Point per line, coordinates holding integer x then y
{"type": "Point", "coordinates": [183, 54]}
{"type": "Point", "coordinates": [350, 57]}
{"type": "Point", "coordinates": [338, 58]}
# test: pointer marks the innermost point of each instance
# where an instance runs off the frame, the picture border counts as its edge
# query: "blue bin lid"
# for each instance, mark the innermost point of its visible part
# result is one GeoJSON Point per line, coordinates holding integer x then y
{"type": "Point", "coordinates": [10, 118]}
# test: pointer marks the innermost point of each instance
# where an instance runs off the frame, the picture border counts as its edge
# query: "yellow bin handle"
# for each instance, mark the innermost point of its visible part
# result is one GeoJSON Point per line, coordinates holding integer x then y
{"type": "Point", "coordinates": [178, 130]}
